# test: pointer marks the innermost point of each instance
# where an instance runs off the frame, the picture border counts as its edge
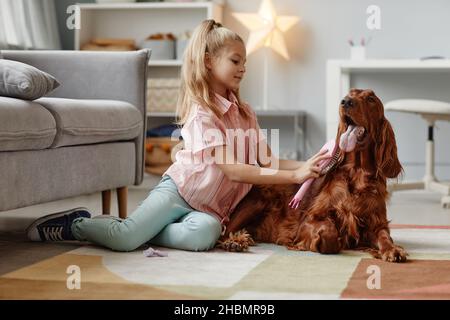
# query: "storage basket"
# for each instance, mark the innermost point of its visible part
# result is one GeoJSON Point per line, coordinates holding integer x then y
{"type": "Point", "coordinates": [158, 153]}
{"type": "Point", "coordinates": [162, 94]}
{"type": "Point", "coordinates": [159, 150]}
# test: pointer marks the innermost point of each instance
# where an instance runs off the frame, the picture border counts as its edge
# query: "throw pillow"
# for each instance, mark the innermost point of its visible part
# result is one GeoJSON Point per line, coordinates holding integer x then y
{"type": "Point", "coordinates": [22, 81]}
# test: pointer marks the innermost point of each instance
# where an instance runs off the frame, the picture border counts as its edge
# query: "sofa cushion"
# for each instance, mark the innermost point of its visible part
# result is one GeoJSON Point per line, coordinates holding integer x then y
{"type": "Point", "coordinates": [82, 121]}
{"type": "Point", "coordinates": [22, 81]}
{"type": "Point", "coordinates": [25, 125]}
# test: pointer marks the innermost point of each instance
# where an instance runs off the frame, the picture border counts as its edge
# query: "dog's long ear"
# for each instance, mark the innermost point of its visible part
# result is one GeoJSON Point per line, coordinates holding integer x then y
{"type": "Point", "coordinates": [386, 151]}
{"type": "Point", "coordinates": [340, 131]}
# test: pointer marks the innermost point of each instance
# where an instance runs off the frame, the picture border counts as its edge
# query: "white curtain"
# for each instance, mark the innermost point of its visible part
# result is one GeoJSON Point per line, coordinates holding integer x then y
{"type": "Point", "coordinates": [28, 24]}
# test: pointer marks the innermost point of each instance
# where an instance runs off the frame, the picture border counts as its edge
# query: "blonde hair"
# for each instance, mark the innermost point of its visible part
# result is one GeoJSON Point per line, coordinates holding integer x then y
{"type": "Point", "coordinates": [209, 37]}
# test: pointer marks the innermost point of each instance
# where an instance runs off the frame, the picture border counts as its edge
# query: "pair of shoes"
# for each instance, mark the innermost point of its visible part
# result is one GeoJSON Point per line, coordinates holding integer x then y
{"type": "Point", "coordinates": [56, 226]}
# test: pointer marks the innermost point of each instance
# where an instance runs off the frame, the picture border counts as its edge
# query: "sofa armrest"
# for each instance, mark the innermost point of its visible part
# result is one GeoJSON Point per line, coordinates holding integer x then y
{"type": "Point", "coordinates": [96, 75]}
{"type": "Point", "coordinates": [92, 74]}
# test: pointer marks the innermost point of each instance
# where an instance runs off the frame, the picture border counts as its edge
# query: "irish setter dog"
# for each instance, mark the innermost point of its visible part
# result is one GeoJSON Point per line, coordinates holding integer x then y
{"type": "Point", "coordinates": [345, 208]}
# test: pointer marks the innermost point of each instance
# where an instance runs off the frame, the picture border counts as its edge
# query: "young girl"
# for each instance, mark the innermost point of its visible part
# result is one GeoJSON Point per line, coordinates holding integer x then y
{"type": "Point", "coordinates": [196, 195]}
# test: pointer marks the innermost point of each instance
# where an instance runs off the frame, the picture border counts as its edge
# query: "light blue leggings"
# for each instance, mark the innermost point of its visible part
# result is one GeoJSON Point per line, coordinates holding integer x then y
{"type": "Point", "coordinates": [163, 218]}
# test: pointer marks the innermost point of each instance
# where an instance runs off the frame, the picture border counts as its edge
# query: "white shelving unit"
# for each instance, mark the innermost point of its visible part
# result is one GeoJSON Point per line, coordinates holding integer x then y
{"type": "Point", "coordinates": [138, 20]}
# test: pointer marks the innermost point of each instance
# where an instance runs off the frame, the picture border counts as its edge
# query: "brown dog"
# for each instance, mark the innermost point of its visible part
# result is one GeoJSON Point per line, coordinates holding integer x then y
{"type": "Point", "coordinates": [344, 208]}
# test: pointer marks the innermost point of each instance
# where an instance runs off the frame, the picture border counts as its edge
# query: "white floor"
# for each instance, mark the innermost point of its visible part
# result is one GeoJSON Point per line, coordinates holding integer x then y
{"type": "Point", "coordinates": [405, 207]}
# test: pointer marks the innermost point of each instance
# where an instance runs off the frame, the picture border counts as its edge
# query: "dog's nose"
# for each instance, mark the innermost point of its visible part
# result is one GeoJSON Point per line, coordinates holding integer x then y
{"type": "Point", "coordinates": [347, 102]}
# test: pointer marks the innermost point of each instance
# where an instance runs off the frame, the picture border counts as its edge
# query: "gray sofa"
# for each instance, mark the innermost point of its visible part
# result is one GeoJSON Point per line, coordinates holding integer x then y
{"type": "Point", "coordinates": [84, 137]}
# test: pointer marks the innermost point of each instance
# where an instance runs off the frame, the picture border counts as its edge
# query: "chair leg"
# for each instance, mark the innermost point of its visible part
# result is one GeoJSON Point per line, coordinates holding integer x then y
{"type": "Point", "coordinates": [445, 202]}
{"type": "Point", "coordinates": [429, 160]}
{"type": "Point", "coordinates": [431, 182]}
{"type": "Point", "coordinates": [122, 194]}
{"type": "Point", "coordinates": [406, 186]}
{"type": "Point", "coordinates": [429, 178]}
{"type": "Point", "coordinates": [441, 187]}
{"type": "Point", "coordinates": [106, 202]}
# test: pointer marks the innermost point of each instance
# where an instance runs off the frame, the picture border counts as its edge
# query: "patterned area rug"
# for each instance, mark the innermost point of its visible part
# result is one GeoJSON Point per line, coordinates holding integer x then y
{"type": "Point", "coordinates": [266, 272]}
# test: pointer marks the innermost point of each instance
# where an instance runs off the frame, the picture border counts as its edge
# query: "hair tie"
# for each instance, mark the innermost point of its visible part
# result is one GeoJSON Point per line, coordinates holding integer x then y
{"type": "Point", "coordinates": [217, 25]}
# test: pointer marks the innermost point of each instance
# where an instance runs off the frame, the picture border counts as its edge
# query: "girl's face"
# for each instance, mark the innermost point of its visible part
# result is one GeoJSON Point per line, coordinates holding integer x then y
{"type": "Point", "coordinates": [228, 67]}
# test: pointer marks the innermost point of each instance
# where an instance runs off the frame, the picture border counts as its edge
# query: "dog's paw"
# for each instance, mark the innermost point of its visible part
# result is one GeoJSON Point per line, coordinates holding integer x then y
{"type": "Point", "coordinates": [394, 254]}
{"type": "Point", "coordinates": [232, 246]}
{"type": "Point", "coordinates": [236, 242]}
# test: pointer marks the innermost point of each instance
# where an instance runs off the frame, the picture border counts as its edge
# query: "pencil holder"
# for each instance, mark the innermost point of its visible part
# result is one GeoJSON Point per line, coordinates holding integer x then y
{"type": "Point", "coordinates": [358, 53]}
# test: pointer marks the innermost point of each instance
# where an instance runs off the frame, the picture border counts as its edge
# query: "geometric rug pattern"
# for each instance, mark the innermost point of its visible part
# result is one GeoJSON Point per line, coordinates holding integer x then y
{"type": "Point", "coordinates": [267, 271]}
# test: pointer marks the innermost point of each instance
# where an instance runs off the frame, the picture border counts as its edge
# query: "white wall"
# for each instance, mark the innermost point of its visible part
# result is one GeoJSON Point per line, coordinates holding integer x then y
{"type": "Point", "coordinates": [409, 29]}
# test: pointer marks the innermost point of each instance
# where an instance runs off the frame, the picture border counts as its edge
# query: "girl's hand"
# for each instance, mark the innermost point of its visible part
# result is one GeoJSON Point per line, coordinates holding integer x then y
{"type": "Point", "coordinates": [311, 167]}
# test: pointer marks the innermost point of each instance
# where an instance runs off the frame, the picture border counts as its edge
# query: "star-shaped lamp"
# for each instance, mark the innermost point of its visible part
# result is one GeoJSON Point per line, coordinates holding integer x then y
{"type": "Point", "coordinates": [266, 28]}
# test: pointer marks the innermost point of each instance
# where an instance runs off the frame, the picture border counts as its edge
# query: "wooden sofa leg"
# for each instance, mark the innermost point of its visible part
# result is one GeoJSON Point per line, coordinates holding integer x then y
{"type": "Point", "coordinates": [122, 194]}
{"type": "Point", "coordinates": [106, 202]}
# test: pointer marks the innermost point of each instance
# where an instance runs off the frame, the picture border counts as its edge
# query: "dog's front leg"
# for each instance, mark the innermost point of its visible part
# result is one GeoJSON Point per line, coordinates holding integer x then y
{"type": "Point", "coordinates": [385, 247]}
{"type": "Point", "coordinates": [236, 237]}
